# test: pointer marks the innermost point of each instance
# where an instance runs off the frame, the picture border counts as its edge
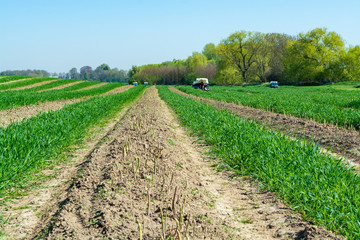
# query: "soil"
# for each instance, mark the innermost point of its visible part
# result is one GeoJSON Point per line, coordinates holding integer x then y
{"type": "Point", "coordinates": [340, 141]}
{"type": "Point", "coordinates": [18, 114]}
{"type": "Point", "coordinates": [147, 173]}
{"type": "Point", "coordinates": [29, 86]}
{"type": "Point", "coordinates": [117, 90]}
{"type": "Point", "coordinates": [91, 87]}
{"type": "Point", "coordinates": [61, 87]}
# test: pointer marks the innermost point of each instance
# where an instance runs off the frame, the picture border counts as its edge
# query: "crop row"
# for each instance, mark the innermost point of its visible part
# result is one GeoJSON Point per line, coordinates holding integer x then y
{"type": "Point", "coordinates": [57, 83]}
{"type": "Point", "coordinates": [12, 78]}
{"type": "Point", "coordinates": [28, 146]}
{"type": "Point", "coordinates": [339, 107]}
{"type": "Point", "coordinates": [312, 182]}
{"type": "Point", "coordinates": [18, 84]}
{"type": "Point", "coordinates": [21, 98]}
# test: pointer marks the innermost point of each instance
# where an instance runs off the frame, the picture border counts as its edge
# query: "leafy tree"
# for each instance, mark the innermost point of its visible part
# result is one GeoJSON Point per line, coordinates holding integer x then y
{"type": "Point", "coordinates": [210, 52]}
{"type": "Point", "coordinates": [315, 56]}
{"type": "Point", "coordinates": [239, 50]}
{"type": "Point", "coordinates": [278, 44]}
{"type": "Point", "coordinates": [351, 61]}
{"type": "Point", "coordinates": [73, 73]}
{"type": "Point", "coordinates": [197, 59]}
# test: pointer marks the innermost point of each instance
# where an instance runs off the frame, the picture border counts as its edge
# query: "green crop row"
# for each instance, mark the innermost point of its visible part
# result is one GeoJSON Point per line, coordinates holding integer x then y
{"type": "Point", "coordinates": [336, 106]}
{"type": "Point", "coordinates": [12, 78]}
{"type": "Point", "coordinates": [53, 84]}
{"type": "Point", "coordinates": [81, 86]}
{"type": "Point", "coordinates": [11, 99]}
{"type": "Point", "coordinates": [23, 83]}
{"type": "Point", "coordinates": [312, 182]}
{"type": "Point", "coordinates": [28, 146]}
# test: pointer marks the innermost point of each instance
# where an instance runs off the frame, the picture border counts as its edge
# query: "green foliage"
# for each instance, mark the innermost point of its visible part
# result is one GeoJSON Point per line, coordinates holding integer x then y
{"type": "Point", "coordinates": [315, 57]}
{"type": "Point", "coordinates": [195, 61]}
{"type": "Point", "coordinates": [312, 182]}
{"type": "Point", "coordinates": [210, 53]}
{"type": "Point", "coordinates": [351, 61]}
{"type": "Point", "coordinates": [37, 140]}
{"type": "Point", "coordinates": [336, 106]}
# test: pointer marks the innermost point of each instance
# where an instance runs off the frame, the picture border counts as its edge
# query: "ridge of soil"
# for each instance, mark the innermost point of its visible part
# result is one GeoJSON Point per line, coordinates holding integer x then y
{"type": "Point", "coordinates": [345, 142]}
{"type": "Point", "coordinates": [29, 86]}
{"type": "Point", "coordinates": [18, 114]}
{"type": "Point", "coordinates": [27, 215]}
{"type": "Point", "coordinates": [91, 87]}
{"type": "Point", "coordinates": [60, 87]}
{"type": "Point", "coordinates": [146, 177]}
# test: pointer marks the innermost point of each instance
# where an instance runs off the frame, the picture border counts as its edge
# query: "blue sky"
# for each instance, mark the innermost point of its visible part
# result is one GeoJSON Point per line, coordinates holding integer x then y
{"type": "Point", "coordinates": [56, 35]}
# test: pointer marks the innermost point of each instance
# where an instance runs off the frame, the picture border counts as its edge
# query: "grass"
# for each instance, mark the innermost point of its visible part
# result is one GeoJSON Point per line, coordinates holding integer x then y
{"type": "Point", "coordinates": [21, 98]}
{"type": "Point", "coordinates": [33, 144]}
{"type": "Point", "coordinates": [12, 78]}
{"type": "Point", "coordinates": [318, 185]}
{"type": "Point", "coordinates": [324, 103]}
{"type": "Point", "coordinates": [23, 83]}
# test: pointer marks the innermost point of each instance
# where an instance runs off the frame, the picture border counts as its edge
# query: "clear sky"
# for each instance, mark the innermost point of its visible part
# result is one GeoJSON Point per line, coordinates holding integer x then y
{"type": "Point", "coordinates": [56, 35]}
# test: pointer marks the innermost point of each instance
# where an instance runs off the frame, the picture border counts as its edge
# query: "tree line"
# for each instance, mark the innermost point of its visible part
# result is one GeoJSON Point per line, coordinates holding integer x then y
{"type": "Point", "coordinates": [318, 56]}
{"type": "Point", "coordinates": [102, 73]}
{"type": "Point", "coordinates": [32, 73]}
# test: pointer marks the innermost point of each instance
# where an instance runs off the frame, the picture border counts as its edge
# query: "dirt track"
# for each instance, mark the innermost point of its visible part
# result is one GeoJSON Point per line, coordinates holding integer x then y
{"type": "Point", "coordinates": [342, 141]}
{"type": "Point", "coordinates": [148, 173]}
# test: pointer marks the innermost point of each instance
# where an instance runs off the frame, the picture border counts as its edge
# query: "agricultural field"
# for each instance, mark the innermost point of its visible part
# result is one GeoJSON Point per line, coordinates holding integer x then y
{"type": "Point", "coordinates": [337, 104]}
{"type": "Point", "coordinates": [106, 161]}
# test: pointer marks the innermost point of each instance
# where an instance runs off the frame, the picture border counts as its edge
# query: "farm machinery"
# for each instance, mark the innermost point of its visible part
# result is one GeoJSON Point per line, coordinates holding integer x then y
{"type": "Point", "coordinates": [201, 83]}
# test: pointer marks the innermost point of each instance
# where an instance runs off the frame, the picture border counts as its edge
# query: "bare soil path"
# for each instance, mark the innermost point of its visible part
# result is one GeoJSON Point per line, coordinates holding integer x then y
{"type": "Point", "coordinates": [19, 80]}
{"type": "Point", "coordinates": [147, 174]}
{"type": "Point", "coordinates": [117, 90]}
{"type": "Point", "coordinates": [29, 86]}
{"type": "Point", "coordinates": [345, 142]}
{"type": "Point", "coordinates": [91, 87]}
{"type": "Point", "coordinates": [62, 86]}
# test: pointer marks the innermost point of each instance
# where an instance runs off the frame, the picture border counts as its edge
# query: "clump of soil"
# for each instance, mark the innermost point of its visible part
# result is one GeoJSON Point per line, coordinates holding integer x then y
{"type": "Point", "coordinates": [338, 139]}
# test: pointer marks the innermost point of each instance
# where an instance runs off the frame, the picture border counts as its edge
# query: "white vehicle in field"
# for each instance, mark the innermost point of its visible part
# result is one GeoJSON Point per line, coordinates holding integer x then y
{"type": "Point", "coordinates": [201, 83]}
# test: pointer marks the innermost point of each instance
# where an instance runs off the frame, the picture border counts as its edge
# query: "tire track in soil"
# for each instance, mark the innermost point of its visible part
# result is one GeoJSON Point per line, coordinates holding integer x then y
{"type": "Point", "coordinates": [148, 173]}
{"type": "Point", "coordinates": [345, 142]}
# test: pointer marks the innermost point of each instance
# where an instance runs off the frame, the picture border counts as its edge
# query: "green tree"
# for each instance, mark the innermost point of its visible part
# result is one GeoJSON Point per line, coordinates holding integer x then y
{"type": "Point", "coordinates": [195, 60]}
{"type": "Point", "coordinates": [210, 52]}
{"type": "Point", "coordinates": [239, 50]}
{"type": "Point", "coordinates": [315, 56]}
{"type": "Point", "coordinates": [351, 61]}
